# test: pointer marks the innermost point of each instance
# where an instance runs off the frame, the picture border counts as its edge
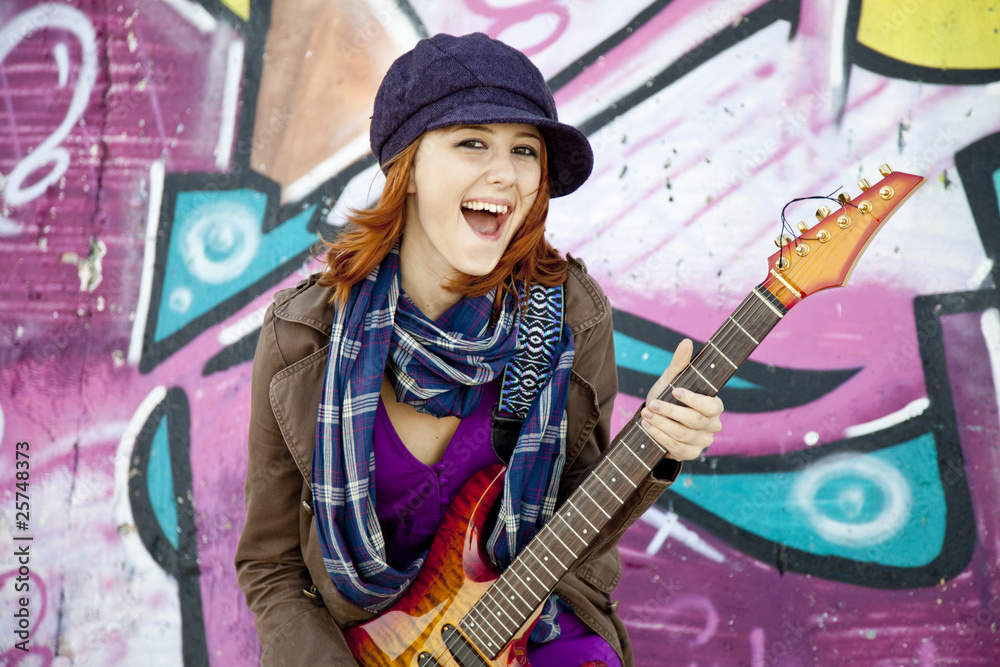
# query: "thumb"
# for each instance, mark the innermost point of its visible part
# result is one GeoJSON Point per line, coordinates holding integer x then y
{"type": "Point", "coordinates": [681, 358]}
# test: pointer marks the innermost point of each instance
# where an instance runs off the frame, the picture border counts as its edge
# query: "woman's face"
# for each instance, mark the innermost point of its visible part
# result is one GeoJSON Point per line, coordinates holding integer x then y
{"type": "Point", "coordinates": [471, 187]}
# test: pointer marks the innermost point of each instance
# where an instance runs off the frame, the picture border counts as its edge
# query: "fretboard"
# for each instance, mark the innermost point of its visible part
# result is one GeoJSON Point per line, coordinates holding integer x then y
{"type": "Point", "coordinates": [495, 619]}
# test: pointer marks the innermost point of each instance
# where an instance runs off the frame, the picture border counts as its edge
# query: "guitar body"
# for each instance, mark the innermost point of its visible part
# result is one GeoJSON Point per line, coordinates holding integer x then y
{"type": "Point", "coordinates": [455, 575]}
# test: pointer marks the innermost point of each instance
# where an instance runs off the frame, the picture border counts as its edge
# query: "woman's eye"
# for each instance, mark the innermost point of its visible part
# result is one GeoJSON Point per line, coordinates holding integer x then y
{"type": "Point", "coordinates": [472, 143]}
{"type": "Point", "coordinates": [526, 150]}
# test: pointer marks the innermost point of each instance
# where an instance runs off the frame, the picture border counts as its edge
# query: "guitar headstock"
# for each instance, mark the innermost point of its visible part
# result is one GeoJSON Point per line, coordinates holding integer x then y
{"type": "Point", "coordinates": [825, 255]}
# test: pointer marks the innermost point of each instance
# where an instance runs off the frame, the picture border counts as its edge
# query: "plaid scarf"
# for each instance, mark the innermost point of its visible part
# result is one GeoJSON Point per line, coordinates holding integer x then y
{"type": "Point", "coordinates": [439, 368]}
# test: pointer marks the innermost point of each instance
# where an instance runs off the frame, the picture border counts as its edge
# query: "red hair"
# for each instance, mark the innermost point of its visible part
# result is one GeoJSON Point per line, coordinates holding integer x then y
{"type": "Point", "coordinates": [529, 258]}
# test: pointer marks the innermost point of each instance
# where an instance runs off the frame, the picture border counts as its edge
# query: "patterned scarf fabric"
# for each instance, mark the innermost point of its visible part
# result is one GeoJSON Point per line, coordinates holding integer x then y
{"type": "Point", "coordinates": [438, 367]}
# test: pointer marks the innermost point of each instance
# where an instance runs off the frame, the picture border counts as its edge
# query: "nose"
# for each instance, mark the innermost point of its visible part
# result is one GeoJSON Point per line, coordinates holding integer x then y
{"type": "Point", "coordinates": [502, 170]}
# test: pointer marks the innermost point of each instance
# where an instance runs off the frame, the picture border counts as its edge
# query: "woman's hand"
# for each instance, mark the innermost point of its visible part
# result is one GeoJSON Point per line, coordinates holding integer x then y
{"type": "Point", "coordinates": [684, 431]}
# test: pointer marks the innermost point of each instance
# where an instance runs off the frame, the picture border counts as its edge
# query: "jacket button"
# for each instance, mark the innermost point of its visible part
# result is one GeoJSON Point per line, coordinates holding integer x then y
{"type": "Point", "coordinates": [613, 606]}
{"type": "Point", "coordinates": [307, 506]}
{"type": "Point", "coordinates": [312, 592]}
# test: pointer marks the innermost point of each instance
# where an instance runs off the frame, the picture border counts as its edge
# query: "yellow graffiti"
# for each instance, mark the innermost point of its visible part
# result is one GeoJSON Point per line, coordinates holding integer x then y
{"type": "Point", "coordinates": [239, 7]}
{"type": "Point", "coordinates": [934, 33]}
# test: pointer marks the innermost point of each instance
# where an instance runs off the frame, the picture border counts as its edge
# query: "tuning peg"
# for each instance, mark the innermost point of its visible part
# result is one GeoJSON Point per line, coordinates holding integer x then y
{"type": "Point", "coordinates": [782, 240]}
{"type": "Point", "coordinates": [802, 226]}
{"type": "Point", "coordinates": [822, 212]}
{"type": "Point", "coordinates": [864, 184]}
{"type": "Point", "coordinates": [844, 198]}
{"type": "Point", "coordinates": [885, 170]}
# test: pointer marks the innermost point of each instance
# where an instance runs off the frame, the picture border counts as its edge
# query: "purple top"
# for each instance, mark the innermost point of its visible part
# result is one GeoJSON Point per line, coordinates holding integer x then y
{"type": "Point", "coordinates": [411, 497]}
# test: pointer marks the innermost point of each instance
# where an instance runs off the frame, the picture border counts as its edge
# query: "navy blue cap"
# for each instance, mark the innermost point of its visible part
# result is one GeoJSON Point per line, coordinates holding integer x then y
{"type": "Point", "coordinates": [474, 80]}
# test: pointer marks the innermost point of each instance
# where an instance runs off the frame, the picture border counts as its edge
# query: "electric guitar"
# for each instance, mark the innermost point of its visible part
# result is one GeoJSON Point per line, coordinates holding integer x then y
{"type": "Point", "coordinates": [459, 611]}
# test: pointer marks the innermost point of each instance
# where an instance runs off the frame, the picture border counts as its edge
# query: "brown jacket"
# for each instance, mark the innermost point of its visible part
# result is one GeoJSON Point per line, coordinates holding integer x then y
{"type": "Point", "coordinates": [278, 555]}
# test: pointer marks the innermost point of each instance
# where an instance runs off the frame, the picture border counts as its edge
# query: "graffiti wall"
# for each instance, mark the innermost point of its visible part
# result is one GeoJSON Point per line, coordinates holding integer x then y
{"type": "Point", "coordinates": [167, 165]}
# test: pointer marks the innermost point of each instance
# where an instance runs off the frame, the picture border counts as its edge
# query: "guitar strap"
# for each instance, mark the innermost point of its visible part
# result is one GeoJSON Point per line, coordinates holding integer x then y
{"type": "Point", "coordinates": [530, 368]}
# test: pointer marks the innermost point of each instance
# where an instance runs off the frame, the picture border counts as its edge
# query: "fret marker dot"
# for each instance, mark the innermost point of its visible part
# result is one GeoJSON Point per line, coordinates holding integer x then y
{"type": "Point", "coordinates": [584, 531]}
{"type": "Point", "coordinates": [614, 479]}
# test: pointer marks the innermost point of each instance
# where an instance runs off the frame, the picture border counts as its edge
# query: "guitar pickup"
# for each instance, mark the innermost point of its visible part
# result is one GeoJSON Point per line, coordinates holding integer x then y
{"type": "Point", "coordinates": [462, 650]}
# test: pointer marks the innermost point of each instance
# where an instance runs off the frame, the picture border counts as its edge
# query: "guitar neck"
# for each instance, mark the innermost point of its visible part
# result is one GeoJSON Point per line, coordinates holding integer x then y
{"type": "Point", "coordinates": [495, 619]}
{"type": "Point", "coordinates": [731, 345]}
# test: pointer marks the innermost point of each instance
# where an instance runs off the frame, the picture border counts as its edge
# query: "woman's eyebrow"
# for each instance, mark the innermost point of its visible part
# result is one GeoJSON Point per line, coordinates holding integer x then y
{"type": "Point", "coordinates": [488, 130]}
{"type": "Point", "coordinates": [479, 128]}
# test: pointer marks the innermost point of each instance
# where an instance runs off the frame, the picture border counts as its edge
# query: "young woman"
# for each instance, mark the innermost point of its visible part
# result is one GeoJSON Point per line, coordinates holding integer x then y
{"type": "Point", "coordinates": [378, 385]}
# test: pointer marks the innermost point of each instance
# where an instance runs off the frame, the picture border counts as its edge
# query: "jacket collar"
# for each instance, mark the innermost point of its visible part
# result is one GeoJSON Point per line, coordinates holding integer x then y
{"type": "Point", "coordinates": [307, 303]}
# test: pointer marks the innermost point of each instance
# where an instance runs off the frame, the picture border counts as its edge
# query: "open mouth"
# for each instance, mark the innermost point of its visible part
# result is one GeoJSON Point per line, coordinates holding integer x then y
{"type": "Point", "coordinates": [484, 217]}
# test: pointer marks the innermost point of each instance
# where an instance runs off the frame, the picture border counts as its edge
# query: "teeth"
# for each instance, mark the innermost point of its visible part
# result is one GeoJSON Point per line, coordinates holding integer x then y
{"type": "Point", "coordinates": [485, 206]}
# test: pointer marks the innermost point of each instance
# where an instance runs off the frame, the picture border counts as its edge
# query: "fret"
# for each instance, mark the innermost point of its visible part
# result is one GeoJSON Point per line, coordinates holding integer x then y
{"type": "Point", "coordinates": [611, 460]}
{"type": "Point", "coordinates": [499, 605]}
{"type": "Point", "coordinates": [556, 536]}
{"type": "Point", "coordinates": [723, 355]}
{"type": "Point", "coordinates": [530, 605]}
{"type": "Point", "coordinates": [766, 294]}
{"type": "Point", "coordinates": [538, 560]}
{"type": "Point", "coordinates": [755, 341]}
{"type": "Point", "coordinates": [638, 458]}
{"type": "Point", "coordinates": [707, 381]}
{"type": "Point", "coordinates": [561, 564]}
{"type": "Point", "coordinates": [620, 500]}
{"type": "Point", "coordinates": [495, 636]}
{"type": "Point", "coordinates": [767, 302]}
{"type": "Point", "coordinates": [471, 628]}
{"type": "Point", "coordinates": [687, 379]}
{"type": "Point", "coordinates": [524, 577]}
{"type": "Point", "coordinates": [526, 582]}
{"type": "Point", "coordinates": [566, 515]}
{"type": "Point", "coordinates": [596, 504]}
{"type": "Point", "coordinates": [495, 641]}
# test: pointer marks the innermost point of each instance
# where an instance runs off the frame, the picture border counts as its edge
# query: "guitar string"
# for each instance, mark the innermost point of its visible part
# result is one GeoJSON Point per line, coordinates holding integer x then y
{"type": "Point", "coordinates": [441, 650]}
{"type": "Point", "coordinates": [734, 332]}
{"type": "Point", "coordinates": [726, 336]}
{"type": "Point", "coordinates": [786, 227]}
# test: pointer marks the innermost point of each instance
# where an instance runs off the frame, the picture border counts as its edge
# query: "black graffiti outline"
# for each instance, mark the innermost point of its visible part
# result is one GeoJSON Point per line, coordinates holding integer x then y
{"type": "Point", "coordinates": [181, 562]}
{"type": "Point", "coordinates": [858, 54]}
{"type": "Point", "coordinates": [779, 388]}
{"type": "Point", "coordinates": [155, 352]}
